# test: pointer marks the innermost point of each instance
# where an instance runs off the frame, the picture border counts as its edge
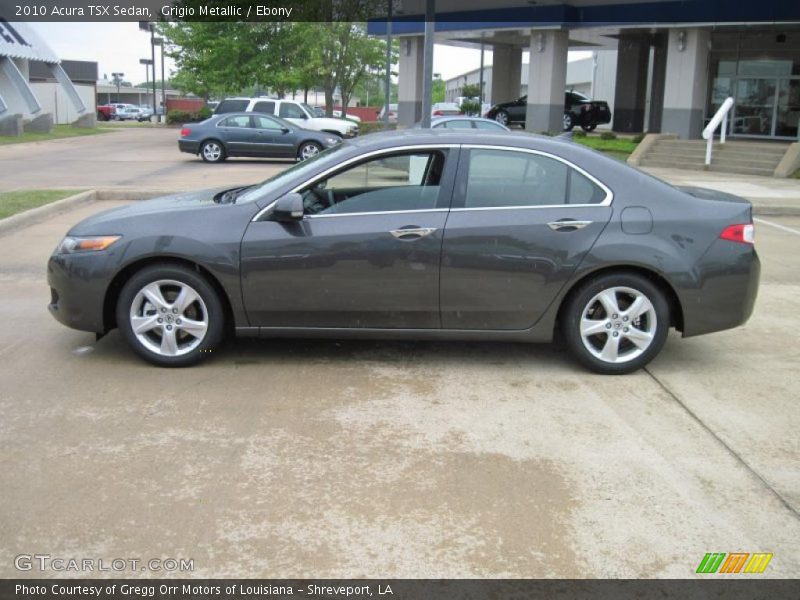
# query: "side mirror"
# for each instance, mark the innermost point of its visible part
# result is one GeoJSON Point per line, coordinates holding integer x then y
{"type": "Point", "coordinates": [287, 208]}
{"type": "Point", "coordinates": [285, 129]}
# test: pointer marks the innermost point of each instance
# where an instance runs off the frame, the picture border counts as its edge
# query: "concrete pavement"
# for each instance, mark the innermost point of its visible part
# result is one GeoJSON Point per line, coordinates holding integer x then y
{"type": "Point", "coordinates": [354, 459]}
{"type": "Point", "coordinates": [145, 157]}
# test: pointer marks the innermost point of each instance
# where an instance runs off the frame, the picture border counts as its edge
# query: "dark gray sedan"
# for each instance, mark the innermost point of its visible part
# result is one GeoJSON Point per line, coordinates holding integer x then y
{"type": "Point", "coordinates": [420, 234]}
{"type": "Point", "coordinates": [252, 134]}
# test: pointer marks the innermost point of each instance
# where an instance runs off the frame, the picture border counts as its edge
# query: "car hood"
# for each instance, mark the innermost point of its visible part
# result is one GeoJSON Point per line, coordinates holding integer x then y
{"type": "Point", "coordinates": [328, 122]}
{"type": "Point", "coordinates": [174, 202]}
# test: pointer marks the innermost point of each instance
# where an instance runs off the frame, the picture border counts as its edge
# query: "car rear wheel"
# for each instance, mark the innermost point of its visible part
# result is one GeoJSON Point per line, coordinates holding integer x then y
{"type": "Point", "coordinates": [569, 123]}
{"type": "Point", "coordinates": [616, 323]}
{"type": "Point", "coordinates": [170, 316]}
{"type": "Point", "coordinates": [589, 128]}
{"type": "Point", "coordinates": [501, 117]}
{"type": "Point", "coordinates": [308, 150]}
{"type": "Point", "coordinates": [212, 151]}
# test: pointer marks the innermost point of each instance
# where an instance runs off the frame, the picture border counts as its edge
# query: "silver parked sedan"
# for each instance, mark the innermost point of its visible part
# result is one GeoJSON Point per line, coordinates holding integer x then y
{"type": "Point", "coordinates": [252, 134]}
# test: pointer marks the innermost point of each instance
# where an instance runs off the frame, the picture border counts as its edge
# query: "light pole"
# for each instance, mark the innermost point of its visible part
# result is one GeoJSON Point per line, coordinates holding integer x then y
{"type": "Point", "coordinates": [388, 75]}
{"type": "Point", "coordinates": [146, 62]}
{"type": "Point", "coordinates": [148, 26]}
{"type": "Point", "coordinates": [117, 77]}
{"type": "Point", "coordinates": [160, 42]}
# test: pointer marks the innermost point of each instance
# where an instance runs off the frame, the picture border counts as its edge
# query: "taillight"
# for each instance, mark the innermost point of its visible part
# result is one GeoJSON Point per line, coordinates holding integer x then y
{"type": "Point", "coordinates": [437, 113]}
{"type": "Point", "coordinates": [742, 233]}
{"type": "Point", "coordinates": [185, 131]}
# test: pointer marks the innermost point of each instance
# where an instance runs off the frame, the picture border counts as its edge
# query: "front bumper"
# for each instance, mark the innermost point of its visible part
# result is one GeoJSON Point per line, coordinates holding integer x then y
{"type": "Point", "coordinates": [78, 285]}
{"type": "Point", "coordinates": [190, 146]}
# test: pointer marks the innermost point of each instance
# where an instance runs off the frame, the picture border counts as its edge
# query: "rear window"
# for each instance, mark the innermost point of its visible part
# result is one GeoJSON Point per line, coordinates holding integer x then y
{"type": "Point", "coordinates": [229, 106]}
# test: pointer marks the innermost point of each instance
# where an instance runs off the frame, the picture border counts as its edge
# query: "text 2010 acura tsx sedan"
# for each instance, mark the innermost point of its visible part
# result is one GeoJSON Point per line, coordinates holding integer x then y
{"type": "Point", "coordinates": [419, 234]}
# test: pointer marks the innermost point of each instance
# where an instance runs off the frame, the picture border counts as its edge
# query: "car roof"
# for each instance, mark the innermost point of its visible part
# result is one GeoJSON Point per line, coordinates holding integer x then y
{"type": "Point", "coordinates": [422, 137]}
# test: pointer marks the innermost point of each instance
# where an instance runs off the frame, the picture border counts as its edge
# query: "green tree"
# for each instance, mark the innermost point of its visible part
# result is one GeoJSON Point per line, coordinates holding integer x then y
{"type": "Point", "coordinates": [471, 90]}
{"type": "Point", "coordinates": [437, 89]}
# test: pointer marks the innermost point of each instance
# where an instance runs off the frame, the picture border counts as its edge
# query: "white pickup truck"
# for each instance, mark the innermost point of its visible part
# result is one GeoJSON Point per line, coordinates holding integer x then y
{"type": "Point", "coordinates": [298, 113]}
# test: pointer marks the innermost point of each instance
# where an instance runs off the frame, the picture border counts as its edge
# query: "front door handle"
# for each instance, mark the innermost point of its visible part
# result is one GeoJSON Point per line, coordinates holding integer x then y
{"type": "Point", "coordinates": [568, 225]}
{"type": "Point", "coordinates": [412, 233]}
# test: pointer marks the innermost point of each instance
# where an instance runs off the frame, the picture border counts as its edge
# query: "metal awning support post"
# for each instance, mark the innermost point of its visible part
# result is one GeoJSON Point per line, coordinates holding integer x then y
{"type": "Point", "coordinates": [66, 83]}
{"type": "Point", "coordinates": [18, 81]}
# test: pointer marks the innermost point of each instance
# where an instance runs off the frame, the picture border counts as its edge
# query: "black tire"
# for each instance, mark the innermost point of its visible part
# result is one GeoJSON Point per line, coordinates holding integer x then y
{"type": "Point", "coordinates": [188, 349]}
{"type": "Point", "coordinates": [655, 323]}
{"type": "Point", "coordinates": [589, 128]}
{"type": "Point", "coordinates": [209, 154]}
{"type": "Point", "coordinates": [569, 121]}
{"type": "Point", "coordinates": [308, 150]}
{"type": "Point", "coordinates": [502, 117]}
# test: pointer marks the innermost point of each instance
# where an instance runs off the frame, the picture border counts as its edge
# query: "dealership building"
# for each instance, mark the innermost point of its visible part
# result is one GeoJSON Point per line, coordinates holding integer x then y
{"type": "Point", "coordinates": [676, 61]}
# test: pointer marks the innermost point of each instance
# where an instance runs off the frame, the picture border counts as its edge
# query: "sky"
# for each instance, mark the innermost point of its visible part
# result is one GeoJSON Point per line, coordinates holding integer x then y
{"type": "Point", "coordinates": [117, 47]}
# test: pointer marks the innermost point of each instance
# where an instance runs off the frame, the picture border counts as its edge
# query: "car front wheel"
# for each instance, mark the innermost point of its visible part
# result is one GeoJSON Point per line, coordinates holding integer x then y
{"type": "Point", "coordinates": [212, 151]}
{"type": "Point", "coordinates": [170, 316]}
{"type": "Point", "coordinates": [616, 323]}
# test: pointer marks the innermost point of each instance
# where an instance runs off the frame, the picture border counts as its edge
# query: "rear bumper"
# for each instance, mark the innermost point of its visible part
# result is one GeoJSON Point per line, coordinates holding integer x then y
{"type": "Point", "coordinates": [728, 282]}
{"type": "Point", "coordinates": [190, 146]}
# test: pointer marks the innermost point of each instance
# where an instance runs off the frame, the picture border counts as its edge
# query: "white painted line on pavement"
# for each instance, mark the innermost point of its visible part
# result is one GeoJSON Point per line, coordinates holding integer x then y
{"type": "Point", "coordinates": [783, 227]}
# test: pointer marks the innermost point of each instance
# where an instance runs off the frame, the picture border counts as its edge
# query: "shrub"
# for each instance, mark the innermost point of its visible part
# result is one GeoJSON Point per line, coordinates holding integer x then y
{"type": "Point", "coordinates": [471, 107]}
{"type": "Point", "coordinates": [608, 135]}
{"type": "Point", "coordinates": [176, 117]}
{"type": "Point", "coordinates": [204, 113]}
{"type": "Point", "coordinates": [372, 126]}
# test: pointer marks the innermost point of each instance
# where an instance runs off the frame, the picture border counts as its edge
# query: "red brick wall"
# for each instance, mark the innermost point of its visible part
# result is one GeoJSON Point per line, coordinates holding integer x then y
{"type": "Point", "coordinates": [185, 104]}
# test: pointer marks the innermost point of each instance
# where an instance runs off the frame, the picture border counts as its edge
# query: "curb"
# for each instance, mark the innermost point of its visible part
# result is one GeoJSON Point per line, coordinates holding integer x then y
{"type": "Point", "coordinates": [40, 213]}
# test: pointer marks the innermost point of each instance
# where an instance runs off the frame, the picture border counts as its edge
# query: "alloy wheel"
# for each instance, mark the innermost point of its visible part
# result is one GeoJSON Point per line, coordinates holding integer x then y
{"type": "Point", "coordinates": [169, 317]}
{"type": "Point", "coordinates": [212, 151]}
{"type": "Point", "coordinates": [501, 117]}
{"type": "Point", "coordinates": [308, 150]}
{"type": "Point", "coordinates": [618, 325]}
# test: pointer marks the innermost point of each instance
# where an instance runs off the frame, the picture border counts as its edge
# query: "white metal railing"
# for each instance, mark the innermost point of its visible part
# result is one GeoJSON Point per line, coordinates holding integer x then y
{"type": "Point", "coordinates": [721, 116]}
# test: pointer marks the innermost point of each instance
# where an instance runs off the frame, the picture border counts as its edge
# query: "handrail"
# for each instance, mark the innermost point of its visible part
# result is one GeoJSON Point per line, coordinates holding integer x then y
{"type": "Point", "coordinates": [708, 132]}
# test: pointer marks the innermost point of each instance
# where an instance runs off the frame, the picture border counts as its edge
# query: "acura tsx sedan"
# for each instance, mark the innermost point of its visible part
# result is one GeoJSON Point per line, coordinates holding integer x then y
{"type": "Point", "coordinates": [431, 234]}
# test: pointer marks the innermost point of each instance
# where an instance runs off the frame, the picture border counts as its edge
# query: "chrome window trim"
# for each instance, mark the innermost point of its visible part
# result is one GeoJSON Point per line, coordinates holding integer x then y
{"type": "Point", "coordinates": [355, 159]}
{"type": "Point", "coordinates": [377, 212]}
{"type": "Point", "coordinates": [606, 201]}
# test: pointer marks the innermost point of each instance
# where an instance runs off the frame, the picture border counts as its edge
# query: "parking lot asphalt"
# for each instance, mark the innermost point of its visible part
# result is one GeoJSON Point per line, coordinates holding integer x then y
{"type": "Point", "coordinates": [126, 157]}
{"type": "Point", "coordinates": [390, 459]}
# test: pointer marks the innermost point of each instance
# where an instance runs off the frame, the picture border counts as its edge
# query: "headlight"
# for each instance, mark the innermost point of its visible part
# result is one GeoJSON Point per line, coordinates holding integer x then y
{"type": "Point", "coordinates": [75, 245]}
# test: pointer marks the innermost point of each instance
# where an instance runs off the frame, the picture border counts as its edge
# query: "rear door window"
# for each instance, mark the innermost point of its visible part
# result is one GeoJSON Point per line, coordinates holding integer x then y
{"type": "Point", "coordinates": [264, 106]}
{"type": "Point", "coordinates": [237, 121]}
{"type": "Point", "coordinates": [508, 178]}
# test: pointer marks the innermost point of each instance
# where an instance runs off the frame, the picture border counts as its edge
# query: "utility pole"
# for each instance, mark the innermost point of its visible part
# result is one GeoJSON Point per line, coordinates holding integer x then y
{"type": "Point", "coordinates": [160, 42]}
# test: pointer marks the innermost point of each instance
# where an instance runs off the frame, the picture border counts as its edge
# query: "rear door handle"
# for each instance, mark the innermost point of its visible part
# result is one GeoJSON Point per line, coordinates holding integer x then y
{"type": "Point", "coordinates": [567, 225]}
{"type": "Point", "coordinates": [412, 233]}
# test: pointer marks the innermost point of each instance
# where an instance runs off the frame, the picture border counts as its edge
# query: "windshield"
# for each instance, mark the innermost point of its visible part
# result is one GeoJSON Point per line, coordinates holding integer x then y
{"type": "Point", "coordinates": [279, 179]}
{"type": "Point", "coordinates": [308, 109]}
